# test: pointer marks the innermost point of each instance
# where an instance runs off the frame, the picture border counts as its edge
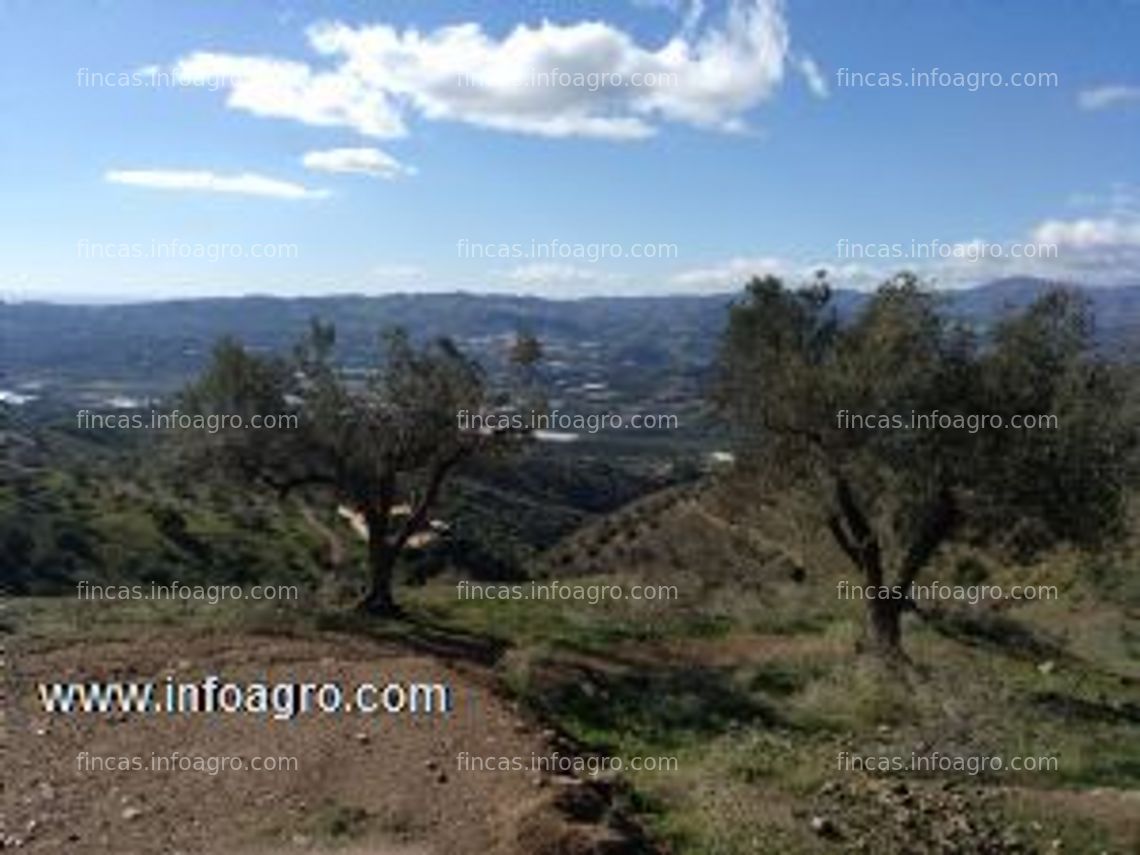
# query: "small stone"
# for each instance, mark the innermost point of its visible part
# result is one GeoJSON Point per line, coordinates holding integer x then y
{"type": "Point", "coordinates": [1047, 667]}
{"type": "Point", "coordinates": [363, 738]}
{"type": "Point", "coordinates": [131, 813]}
{"type": "Point", "coordinates": [823, 826]}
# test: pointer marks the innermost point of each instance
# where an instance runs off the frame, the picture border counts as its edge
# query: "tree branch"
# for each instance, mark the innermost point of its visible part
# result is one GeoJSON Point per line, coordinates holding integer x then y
{"type": "Point", "coordinates": [419, 515]}
{"type": "Point", "coordinates": [854, 533]}
{"type": "Point", "coordinates": [937, 527]}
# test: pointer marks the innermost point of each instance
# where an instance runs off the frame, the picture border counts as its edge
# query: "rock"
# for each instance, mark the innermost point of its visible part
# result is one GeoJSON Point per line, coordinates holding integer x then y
{"type": "Point", "coordinates": [431, 765]}
{"type": "Point", "coordinates": [824, 827]}
{"type": "Point", "coordinates": [362, 737]}
{"type": "Point", "coordinates": [1047, 667]}
{"type": "Point", "coordinates": [441, 778]}
{"type": "Point", "coordinates": [131, 813]}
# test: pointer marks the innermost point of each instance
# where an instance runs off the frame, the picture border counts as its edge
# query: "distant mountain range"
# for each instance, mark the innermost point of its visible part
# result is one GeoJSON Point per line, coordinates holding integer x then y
{"type": "Point", "coordinates": [159, 344]}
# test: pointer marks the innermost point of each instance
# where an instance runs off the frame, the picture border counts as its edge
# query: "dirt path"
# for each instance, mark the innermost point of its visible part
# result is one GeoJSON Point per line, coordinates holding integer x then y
{"type": "Point", "coordinates": [363, 784]}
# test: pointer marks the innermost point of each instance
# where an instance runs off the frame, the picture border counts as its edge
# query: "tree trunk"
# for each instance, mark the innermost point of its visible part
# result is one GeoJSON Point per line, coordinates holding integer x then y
{"type": "Point", "coordinates": [381, 568]}
{"type": "Point", "coordinates": [883, 631]}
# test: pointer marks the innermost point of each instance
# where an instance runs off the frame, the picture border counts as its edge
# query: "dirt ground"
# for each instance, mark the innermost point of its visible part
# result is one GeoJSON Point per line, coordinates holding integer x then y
{"type": "Point", "coordinates": [379, 784]}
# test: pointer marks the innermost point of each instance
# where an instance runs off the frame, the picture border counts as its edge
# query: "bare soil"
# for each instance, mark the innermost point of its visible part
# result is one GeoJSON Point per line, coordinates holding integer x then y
{"type": "Point", "coordinates": [380, 784]}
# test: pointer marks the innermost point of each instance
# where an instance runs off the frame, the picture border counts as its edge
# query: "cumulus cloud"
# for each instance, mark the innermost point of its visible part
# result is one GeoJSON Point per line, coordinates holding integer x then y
{"type": "Point", "coordinates": [731, 274]}
{"type": "Point", "coordinates": [734, 273]}
{"type": "Point", "coordinates": [1089, 233]}
{"type": "Point", "coordinates": [364, 161]}
{"type": "Point", "coordinates": [283, 89]}
{"type": "Point", "coordinates": [1104, 97]}
{"type": "Point", "coordinates": [245, 183]}
{"type": "Point", "coordinates": [538, 79]}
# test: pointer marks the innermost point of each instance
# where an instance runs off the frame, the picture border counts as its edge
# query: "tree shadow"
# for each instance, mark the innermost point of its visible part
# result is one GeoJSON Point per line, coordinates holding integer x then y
{"type": "Point", "coordinates": [666, 705]}
{"type": "Point", "coordinates": [421, 635]}
{"type": "Point", "coordinates": [1074, 708]}
{"type": "Point", "coordinates": [992, 632]}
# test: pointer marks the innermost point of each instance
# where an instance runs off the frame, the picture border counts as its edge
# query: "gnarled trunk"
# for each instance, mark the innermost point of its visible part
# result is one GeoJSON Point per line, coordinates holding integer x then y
{"type": "Point", "coordinates": [883, 629]}
{"type": "Point", "coordinates": [381, 569]}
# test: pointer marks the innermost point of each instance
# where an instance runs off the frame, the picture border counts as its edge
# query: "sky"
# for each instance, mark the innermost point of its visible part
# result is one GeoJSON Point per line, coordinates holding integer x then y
{"type": "Point", "coordinates": [151, 149]}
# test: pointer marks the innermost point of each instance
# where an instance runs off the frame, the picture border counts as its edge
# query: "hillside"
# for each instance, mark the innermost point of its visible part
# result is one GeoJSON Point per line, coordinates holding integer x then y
{"type": "Point", "coordinates": [658, 347]}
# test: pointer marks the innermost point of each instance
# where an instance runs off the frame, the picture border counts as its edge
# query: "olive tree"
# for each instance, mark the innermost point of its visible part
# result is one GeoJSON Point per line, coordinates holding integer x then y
{"type": "Point", "coordinates": [370, 439]}
{"type": "Point", "coordinates": [807, 393]}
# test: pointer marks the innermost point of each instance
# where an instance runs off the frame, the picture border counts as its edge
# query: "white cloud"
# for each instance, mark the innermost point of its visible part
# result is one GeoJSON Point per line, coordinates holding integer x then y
{"type": "Point", "coordinates": [708, 76]}
{"type": "Point", "coordinates": [1103, 97]}
{"type": "Point", "coordinates": [1089, 233]}
{"type": "Point", "coordinates": [816, 82]}
{"type": "Point", "coordinates": [365, 161]}
{"type": "Point", "coordinates": [560, 274]}
{"type": "Point", "coordinates": [283, 89]}
{"type": "Point", "coordinates": [245, 183]}
{"type": "Point", "coordinates": [732, 273]}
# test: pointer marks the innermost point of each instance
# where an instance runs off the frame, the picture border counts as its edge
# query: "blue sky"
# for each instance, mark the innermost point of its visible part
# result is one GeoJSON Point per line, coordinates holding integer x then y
{"type": "Point", "coordinates": [361, 142]}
